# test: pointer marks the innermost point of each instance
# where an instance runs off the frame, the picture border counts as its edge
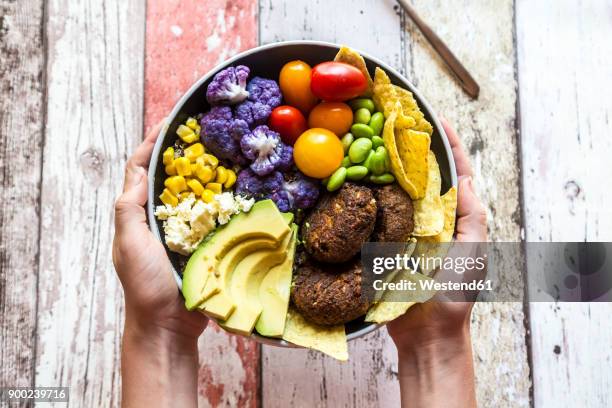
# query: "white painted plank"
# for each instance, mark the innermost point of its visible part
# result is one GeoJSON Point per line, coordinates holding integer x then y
{"type": "Point", "coordinates": [298, 377]}
{"type": "Point", "coordinates": [21, 139]}
{"type": "Point", "coordinates": [94, 109]}
{"type": "Point", "coordinates": [481, 36]}
{"type": "Point", "coordinates": [566, 112]}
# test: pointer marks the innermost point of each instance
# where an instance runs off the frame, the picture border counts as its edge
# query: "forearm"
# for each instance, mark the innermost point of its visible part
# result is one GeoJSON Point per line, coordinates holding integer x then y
{"type": "Point", "coordinates": [159, 368]}
{"type": "Point", "coordinates": [438, 373]}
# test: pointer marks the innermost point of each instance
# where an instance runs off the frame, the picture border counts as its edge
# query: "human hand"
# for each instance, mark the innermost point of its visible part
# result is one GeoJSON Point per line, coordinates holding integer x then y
{"type": "Point", "coordinates": [152, 301]}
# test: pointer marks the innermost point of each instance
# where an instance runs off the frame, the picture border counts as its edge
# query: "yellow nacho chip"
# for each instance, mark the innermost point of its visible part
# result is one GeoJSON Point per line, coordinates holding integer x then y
{"type": "Point", "coordinates": [429, 211]}
{"type": "Point", "coordinates": [413, 149]}
{"type": "Point", "coordinates": [330, 340]}
{"type": "Point", "coordinates": [351, 57]}
{"type": "Point", "coordinates": [449, 201]}
{"type": "Point", "coordinates": [396, 165]}
{"type": "Point", "coordinates": [381, 77]}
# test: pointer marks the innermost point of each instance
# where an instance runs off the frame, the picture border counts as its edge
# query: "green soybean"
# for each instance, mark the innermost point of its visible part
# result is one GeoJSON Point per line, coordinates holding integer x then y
{"type": "Point", "coordinates": [368, 160]}
{"type": "Point", "coordinates": [377, 141]}
{"type": "Point", "coordinates": [346, 141]}
{"type": "Point", "coordinates": [355, 173]}
{"type": "Point", "coordinates": [377, 164]}
{"type": "Point", "coordinates": [376, 123]}
{"type": "Point", "coordinates": [386, 178]}
{"type": "Point", "coordinates": [360, 103]}
{"type": "Point", "coordinates": [385, 154]}
{"type": "Point", "coordinates": [362, 116]}
{"type": "Point", "coordinates": [360, 130]}
{"type": "Point", "coordinates": [336, 179]}
{"type": "Point", "coordinates": [359, 150]}
{"type": "Point", "coordinates": [346, 162]}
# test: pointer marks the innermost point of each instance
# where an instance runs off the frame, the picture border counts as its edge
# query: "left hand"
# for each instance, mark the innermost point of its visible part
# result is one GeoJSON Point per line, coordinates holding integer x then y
{"type": "Point", "coordinates": [152, 300]}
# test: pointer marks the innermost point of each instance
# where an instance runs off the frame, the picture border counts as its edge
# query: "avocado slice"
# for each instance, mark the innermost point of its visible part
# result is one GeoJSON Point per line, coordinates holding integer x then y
{"type": "Point", "coordinates": [263, 221]}
{"type": "Point", "coordinates": [248, 272]}
{"type": "Point", "coordinates": [273, 293]}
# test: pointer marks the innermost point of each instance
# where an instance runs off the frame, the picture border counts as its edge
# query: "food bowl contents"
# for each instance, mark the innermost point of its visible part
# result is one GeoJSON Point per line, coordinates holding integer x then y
{"type": "Point", "coordinates": [270, 193]}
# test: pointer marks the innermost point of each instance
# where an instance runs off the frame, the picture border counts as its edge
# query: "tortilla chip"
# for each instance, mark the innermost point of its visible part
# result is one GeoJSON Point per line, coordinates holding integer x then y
{"type": "Point", "coordinates": [397, 168]}
{"type": "Point", "coordinates": [387, 310]}
{"type": "Point", "coordinates": [429, 211]}
{"type": "Point", "coordinates": [449, 202]}
{"type": "Point", "coordinates": [413, 149]}
{"type": "Point", "coordinates": [330, 340]}
{"type": "Point", "coordinates": [381, 77]}
{"type": "Point", "coordinates": [351, 57]}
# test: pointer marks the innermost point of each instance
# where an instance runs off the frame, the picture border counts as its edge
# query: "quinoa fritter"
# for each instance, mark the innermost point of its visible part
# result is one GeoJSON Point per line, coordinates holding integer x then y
{"type": "Point", "coordinates": [335, 230]}
{"type": "Point", "coordinates": [329, 294]}
{"type": "Point", "coordinates": [395, 218]}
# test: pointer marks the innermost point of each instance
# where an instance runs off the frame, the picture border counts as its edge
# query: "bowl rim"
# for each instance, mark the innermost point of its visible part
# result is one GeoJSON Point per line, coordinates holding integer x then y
{"type": "Point", "coordinates": [368, 328]}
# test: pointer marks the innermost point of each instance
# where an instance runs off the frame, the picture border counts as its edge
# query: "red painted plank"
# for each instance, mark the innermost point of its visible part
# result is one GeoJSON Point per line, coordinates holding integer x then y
{"type": "Point", "coordinates": [184, 39]}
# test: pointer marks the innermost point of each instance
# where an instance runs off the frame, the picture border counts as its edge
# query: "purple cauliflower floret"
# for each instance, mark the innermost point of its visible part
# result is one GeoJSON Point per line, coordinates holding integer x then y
{"type": "Point", "coordinates": [228, 87]}
{"type": "Point", "coordinates": [286, 160]}
{"type": "Point", "coordinates": [264, 147]}
{"type": "Point", "coordinates": [250, 184]}
{"type": "Point", "coordinates": [221, 134]}
{"type": "Point", "coordinates": [265, 91]}
{"type": "Point", "coordinates": [253, 113]}
{"type": "Point", "coordinates": [300, 192]}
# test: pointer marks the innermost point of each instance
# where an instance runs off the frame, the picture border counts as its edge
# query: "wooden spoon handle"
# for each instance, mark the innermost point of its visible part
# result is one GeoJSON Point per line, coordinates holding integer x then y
{"type": "Point", "coordinates": [467, 81]}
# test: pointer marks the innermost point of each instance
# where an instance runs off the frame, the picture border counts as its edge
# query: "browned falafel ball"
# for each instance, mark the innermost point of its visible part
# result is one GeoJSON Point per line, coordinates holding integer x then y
{"type": "Point", "coordinates": [329, 294]}
{"type": "Point", "coordinates": [335, 230]}
{"type": "Point", "coordinates": [395, 218]}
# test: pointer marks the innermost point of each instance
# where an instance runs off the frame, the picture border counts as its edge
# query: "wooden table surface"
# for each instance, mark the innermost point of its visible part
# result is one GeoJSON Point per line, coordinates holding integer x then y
{"type": "Point", "coordinates": [76, 77]}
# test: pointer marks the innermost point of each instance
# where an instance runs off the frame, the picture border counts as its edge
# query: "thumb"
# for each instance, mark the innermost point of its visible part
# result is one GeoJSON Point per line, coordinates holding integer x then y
{"type": "Point", "coordinates": [471, 214]}
{"type": "Point", "coordinates": [129, 207]}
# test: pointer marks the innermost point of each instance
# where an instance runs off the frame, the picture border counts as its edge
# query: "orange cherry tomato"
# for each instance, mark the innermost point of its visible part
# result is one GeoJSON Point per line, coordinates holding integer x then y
{"type": "Point", "coordinates": [335, 116]}
{"type": "Point", "coordinates": [318, 153]}
{"type": "Point", "coordinates": [294, 82]}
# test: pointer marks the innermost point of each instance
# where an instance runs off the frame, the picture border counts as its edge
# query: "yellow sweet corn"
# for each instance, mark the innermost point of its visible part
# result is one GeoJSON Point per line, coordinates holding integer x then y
{"type": "Point", "coordinates": [192, 123]}
{"type": "Point", "coordinates": [186, 134]}
{"type": "Point", "coordinates": [211, 160]}
{"type": "Point", "coordinates": [183, 166]}
{"type": "Point", "coordinates": [168, 198]}
{"type": "Point", "coordinates": [204, 173]}
{"type": "Point", "coordinates": [221, 175]}
{"type": "Point", "coordinates": [208, 196]}
{"type": "Point", "coordinates": [197, 130]}
{"type": "Point", "coordinates": [194, 151]}
{"type": "Point", "coordinates": [194, 168]}
{"type": "Point", "coordinates": [176, 184]}
{"type": "Point", "coordinates": [184, 195]}
{"type": "Point", "coordinates": [168, 156]}
{"type": "Point", "coordinates": [231, 179]}
{"type": "Point", "coordinates": [215, 187]}
{"type": "Point", "coordinates": [195, 186]}
{"type": "Point", "coordinates": [170, 169]}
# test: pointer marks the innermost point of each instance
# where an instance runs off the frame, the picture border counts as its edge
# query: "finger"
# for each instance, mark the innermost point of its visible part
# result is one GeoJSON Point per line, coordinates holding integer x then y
{"type": "Point", "coordinates": [142, 155]}
{"type": "Point", "coordinates": [129, 207]}
{"type": "Point", "coordinates": [462, 161]}
{"type": "Point", "coordinates": [471, 214]}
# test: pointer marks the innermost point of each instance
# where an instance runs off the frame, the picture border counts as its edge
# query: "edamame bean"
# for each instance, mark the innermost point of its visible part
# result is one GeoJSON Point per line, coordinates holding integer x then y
{"type": "Point", "coordinates": [346, 162]}
{"type": "Point", "coordinates": [368, 159]}
{"type": "Point", "coordinates": [362, 116]}
{"type": "Point", "coordinates": [360, 130]}
{"type": "Point", "coordinates": [377, 164]}
{"type": "Point", "coordinates": [377, 141]}
{"type": "Point", "coordinates": [346, 141]}
{"type": "Point", "coordinates": [362, 103]}
{"type": "Point", "coordinates": [359, 150]}
{"type": "Point", "coordinates": [356, 172]}
{"type": "Point", "coordinates": [376, 123]}
{"type": "Point", "coordinates": [336, 179]}
{"type": "Point", "coordinates": [385, 155]}
{"type": "Point", "coordinates": [386, 178]}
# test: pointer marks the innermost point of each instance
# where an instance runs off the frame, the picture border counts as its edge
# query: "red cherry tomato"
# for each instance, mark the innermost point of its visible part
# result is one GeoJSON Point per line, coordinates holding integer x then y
{"type": "Point", "coordinates": [289, 122]}
{"type": "Point", "coordinates": [337, 81]}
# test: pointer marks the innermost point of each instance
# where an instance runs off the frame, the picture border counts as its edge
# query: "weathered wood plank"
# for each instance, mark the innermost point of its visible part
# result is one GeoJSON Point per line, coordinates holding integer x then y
{"type": "Point", "coordinates": [298, 377]}
{"type": "Point", "coordinates": [566, 122]}
{"type": "Point", "coordinates": [481, 35]}
{"type": "Point", "coordinates": [94, 119]}
{"type": "Point", "coordinates": [184, 40]}
{"type": "Point", "coordinates": [21, 140]}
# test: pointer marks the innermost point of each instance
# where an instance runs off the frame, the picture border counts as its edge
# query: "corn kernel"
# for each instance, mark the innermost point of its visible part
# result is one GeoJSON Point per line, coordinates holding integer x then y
{"type": "Point", "coordinates": [208, 196]}
{"type": "Point", "coordinates": [184, 195]}
{"type": "Point", "coordinates": [168, 198]}
{"type": "Point", "coordinates": [221, 175]}
{"type": "Point", "coordinates": [168, 156]}
{"type": "Point", "coordinates": [211, 160]}
{"type": "Point", "coordinates": [171, 170]}
{"type": "Point", "coordinates": [183, 167]}
{"type": "Point", "coordinates": [215, 187]}
{"type": "Point", "coordinates": [231, 179]}
{"type": "Point", "coordinates": [194, 168]}
{"type": "Point", "coordinates": [197, 130]}
{"type": "Point", "coordinates": [192, 123]}
{"type": "Point", "coordinates": [176, 184]}
{"type": "Point", "coordinates": [195, 186]}
{"type": "Point", "coordinates": [186, 134]}
{"type": "Point", "coordinates": [204, 173]}
{"type": "Point", "coordinates": [194, 151]}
